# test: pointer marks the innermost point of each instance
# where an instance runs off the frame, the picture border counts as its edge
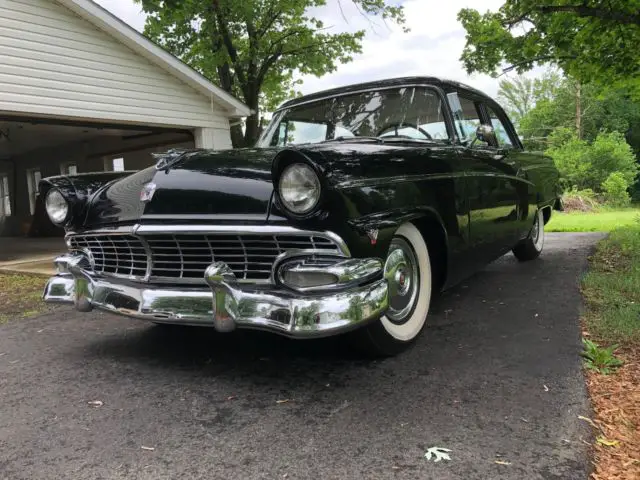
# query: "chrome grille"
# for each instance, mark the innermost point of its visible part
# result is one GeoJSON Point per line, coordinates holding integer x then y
{"type": "Point", "coordinates": [116, 254]}
{"type": "Point", "coordinates": [249, 256]}
{"type": "Point", "coordinates": [185, 256]}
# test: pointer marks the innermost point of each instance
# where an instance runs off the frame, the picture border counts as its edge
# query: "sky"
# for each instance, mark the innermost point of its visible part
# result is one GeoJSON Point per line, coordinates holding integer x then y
{"type": "Point", "coordinates": [432, 47]}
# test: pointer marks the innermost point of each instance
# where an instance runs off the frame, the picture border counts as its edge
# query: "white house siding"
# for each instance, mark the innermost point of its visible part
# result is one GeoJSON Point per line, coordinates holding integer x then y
{"type": "Point", "coordinates": [55, 63]}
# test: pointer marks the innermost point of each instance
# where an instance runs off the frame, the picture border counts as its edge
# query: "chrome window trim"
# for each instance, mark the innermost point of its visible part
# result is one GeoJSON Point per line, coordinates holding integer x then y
{"type": "Point", "coordinates": [441, 93]}
{"type": "Point", "coordinates": [355, 92]}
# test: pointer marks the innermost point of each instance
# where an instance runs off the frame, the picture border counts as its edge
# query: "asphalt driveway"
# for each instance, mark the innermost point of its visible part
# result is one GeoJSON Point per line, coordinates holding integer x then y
{"type": "Point", "coordinates": [495, 378]}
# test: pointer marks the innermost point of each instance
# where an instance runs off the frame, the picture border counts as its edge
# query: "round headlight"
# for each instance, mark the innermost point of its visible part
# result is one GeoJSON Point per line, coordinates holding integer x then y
{"type": "Point", "coordinates": [57, 207]}
{"type": "Point", "coordinates": [299, 188]}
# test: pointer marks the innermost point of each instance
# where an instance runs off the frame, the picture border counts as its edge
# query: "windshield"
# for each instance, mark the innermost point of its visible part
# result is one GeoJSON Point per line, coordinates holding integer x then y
{"type": "Point", "coordinates": [410, 113]}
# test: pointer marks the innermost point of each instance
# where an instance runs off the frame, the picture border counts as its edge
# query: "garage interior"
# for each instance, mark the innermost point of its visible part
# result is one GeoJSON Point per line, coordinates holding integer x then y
{"type": "Point", "coordinates": [35, 148]}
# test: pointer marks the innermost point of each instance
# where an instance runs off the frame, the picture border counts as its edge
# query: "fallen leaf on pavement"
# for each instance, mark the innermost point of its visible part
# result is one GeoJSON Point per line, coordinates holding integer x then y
{"type": "Point", "coordinates": [438, 452]}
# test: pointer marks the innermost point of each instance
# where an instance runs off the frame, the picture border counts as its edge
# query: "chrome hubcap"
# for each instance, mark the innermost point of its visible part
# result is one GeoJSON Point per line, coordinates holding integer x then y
{"type": "Point", "coordinates": [535, 233]}
{"type": "Point", "coordinates": [401, 271]}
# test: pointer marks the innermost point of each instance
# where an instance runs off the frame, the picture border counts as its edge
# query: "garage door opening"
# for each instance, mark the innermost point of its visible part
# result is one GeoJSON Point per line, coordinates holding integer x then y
{"type": "Point", "coordinates": [32, 148]}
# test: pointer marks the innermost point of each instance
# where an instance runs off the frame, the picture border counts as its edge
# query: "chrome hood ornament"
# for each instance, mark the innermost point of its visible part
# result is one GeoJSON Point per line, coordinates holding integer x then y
{"type": "Point", "coordinates": [165, 160]}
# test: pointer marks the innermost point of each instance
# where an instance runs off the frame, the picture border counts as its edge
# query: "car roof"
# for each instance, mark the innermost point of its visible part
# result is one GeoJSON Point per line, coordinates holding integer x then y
{"type": "Point", "coordinates": [445, 84]}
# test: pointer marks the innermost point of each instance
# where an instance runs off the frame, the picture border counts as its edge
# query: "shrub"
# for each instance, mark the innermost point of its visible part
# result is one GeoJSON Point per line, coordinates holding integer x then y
{"type": "Point", "coordinates": [615, 189]}
{"type": "Point", "coordinates": [585, 165]}
{"type": "Point", "coordinates": [571, 158]}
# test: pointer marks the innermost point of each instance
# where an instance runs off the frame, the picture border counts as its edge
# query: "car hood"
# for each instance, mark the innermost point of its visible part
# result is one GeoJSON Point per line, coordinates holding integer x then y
{"type": "Point", "coordinates": [236, 185]}
{"type": "Point", "coordinates": [203, 184]}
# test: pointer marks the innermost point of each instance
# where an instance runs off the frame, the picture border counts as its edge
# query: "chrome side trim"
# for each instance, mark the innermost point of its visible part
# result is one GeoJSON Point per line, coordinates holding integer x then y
{"type": "Point", "coordinates": [130, 229]}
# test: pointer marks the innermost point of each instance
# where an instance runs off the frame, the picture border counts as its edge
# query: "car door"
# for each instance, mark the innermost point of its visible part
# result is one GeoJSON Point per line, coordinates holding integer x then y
{"type": "Point", "coordinates": [491, 183]}
{"type": "Point", "coordinates": [509, 146]}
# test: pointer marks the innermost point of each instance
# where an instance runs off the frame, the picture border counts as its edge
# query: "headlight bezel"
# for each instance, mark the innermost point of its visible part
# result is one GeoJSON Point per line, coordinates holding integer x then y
{"type": "Point", "coordinates": [318, 186]}
{"type": "Point", "coordinates": [60, 219]}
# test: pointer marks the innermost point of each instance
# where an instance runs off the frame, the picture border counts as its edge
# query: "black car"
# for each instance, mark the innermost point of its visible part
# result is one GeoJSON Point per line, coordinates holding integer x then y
{"type": "Point", "coordinates": [355, 205]}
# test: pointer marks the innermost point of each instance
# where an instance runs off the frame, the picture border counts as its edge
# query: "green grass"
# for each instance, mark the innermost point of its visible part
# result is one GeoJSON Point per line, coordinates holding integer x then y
{"type": "Point", "coordinates": [612, 287]}
{"type": "Point", "coordinates": [21, 296]}
{"type": "Point", "coordinates": [599, 221]}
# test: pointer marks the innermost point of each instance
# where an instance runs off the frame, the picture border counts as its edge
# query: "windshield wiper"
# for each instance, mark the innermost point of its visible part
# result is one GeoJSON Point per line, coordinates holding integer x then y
{"type": "Point", "coordinates": [384, 139]}
{"type": "Point", "coordinates": [355, 139]}
{"type": "Point", "coordinates": [400, 139]}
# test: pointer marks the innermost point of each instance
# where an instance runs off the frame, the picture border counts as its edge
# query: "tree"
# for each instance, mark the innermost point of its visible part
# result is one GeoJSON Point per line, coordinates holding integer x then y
{"type": "Point", "coordinates": [601, 109]}
{"type": "Point", "coordinates": [521, 94]}
{"type": "Point", "coordinates": [615, 189]}
{"type": "Point", "coordinates": [517, 97]}
{"type": "Point", "coordinates": [253, 48]}
{"type": "Point", "coordinates": [588, 39]}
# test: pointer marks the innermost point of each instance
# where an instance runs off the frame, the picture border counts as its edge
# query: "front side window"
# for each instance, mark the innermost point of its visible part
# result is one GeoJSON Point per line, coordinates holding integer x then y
{"type": "Point", "coordinates": [466, 116]}
{"type": "Point", "coordinates": [5, 198]}
{"type": "Point", "coordinates": [499, 128]}
{"type": "Point", "coordinates": [409, 113]}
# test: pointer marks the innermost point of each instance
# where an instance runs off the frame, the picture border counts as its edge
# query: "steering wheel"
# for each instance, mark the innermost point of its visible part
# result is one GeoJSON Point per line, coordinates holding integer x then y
{"type": "Point", "coordinates": [403, 125]}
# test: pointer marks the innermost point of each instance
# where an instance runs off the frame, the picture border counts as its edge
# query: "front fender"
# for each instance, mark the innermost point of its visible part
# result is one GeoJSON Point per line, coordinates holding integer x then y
{"type": "Point", "coordinates": [78, 190]}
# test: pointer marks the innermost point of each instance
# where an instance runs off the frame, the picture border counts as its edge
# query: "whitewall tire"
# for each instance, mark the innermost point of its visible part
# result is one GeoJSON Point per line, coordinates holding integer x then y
{"type": "Point", "coordinates": [408, 272]}
{"type": "Point", "coordinates": [531, 247]}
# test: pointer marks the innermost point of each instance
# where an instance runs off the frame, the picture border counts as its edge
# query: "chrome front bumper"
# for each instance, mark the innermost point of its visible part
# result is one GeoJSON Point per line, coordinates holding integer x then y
{"type": "Point", "coordinates": [226, 304]}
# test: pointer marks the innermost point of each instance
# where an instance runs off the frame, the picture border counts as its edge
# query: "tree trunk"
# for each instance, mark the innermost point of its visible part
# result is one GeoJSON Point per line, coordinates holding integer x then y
{"type": "Point", "coordinates": [237, 137]}
{"type": "Point", "coordinates": [252, 122]}
{"type": "Point", "coordinates": [579, 110]}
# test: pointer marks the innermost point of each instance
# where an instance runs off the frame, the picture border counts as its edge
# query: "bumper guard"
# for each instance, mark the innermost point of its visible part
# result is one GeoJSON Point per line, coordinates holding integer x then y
{"type": "Point", "coordinates": [227, 304]}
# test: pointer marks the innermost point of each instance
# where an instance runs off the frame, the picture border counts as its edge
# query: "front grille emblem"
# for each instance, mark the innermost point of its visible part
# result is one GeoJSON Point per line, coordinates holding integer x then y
{"type": "Point", "coordinates": [146, 194]}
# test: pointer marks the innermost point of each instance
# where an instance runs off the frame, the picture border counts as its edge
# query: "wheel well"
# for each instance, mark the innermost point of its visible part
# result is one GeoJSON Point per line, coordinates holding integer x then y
{"type": "Point", "coordinates": [435, 236]}
{"type": "Point", "coordinates": [546, 214]}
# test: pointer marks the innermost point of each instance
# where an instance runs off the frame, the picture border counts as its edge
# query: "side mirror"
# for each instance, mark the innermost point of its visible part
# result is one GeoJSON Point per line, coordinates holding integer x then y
{"type": "Point", "coordinates": [485, 133]}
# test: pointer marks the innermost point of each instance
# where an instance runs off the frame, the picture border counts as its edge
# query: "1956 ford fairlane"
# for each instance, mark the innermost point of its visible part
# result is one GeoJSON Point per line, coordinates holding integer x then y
{"type": "Point", "coordinates": [355, 205]}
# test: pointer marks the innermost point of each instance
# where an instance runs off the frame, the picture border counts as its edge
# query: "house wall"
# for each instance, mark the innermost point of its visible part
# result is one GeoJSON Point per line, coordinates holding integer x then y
{"type": "Point", "coordinates": [55, 63]}
{"type": "Point", "coordinates": [89, 156]}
